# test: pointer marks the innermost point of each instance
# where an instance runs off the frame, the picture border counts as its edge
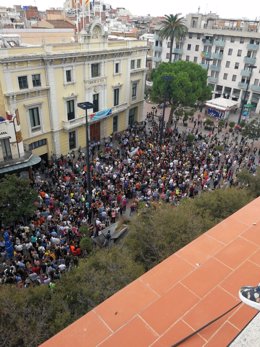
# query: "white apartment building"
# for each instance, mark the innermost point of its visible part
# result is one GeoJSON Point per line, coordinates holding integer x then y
{"type": "Point", "coordinates": [227, 48]}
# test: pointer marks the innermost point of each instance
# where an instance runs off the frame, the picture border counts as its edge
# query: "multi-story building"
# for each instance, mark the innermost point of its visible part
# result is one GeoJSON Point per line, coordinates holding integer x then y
{"type": "Point", "coordinates": [227, 48]}
{"type": "Point", "coordinates": [13, 157]}
{"type": "Point", "coordinates": [46, 83]}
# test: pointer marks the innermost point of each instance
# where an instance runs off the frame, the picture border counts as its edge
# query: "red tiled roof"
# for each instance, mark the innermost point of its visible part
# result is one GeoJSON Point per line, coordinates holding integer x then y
{"type": "Point", "coordinates": [181, 294]}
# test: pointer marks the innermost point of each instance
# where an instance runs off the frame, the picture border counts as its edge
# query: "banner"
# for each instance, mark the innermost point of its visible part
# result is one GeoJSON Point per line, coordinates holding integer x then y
{"type": "Point", "coordinates": [94, 117]}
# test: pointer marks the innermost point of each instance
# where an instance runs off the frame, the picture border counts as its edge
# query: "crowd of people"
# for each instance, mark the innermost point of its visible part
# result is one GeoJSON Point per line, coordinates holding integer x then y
{"type": "Point", "coordinates": [133, 166]}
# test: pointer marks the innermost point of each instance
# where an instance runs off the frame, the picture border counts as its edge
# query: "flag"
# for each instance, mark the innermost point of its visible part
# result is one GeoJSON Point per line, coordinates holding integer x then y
{"type": "Point", "coordinates": [9, 116]}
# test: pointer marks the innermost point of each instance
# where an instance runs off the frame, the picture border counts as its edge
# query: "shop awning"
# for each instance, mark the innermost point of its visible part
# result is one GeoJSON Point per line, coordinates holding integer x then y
{"type": "Point", "coordinates": [222, 104]}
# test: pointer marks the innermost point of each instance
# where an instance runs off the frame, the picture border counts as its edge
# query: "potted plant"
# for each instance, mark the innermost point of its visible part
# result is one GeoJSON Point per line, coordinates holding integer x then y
{"type": "Point", "coordinates": [208, 124]}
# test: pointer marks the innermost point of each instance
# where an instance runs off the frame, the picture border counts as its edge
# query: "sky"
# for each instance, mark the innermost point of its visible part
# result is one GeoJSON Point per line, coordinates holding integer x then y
{"type": "Point", "coordinates": [249, 9]}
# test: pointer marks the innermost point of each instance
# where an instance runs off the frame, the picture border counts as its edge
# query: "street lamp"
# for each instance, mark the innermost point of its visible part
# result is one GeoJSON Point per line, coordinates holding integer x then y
{"type": "Point", "coordinates": [86, 106]}
{"type": "Point", "coordinates": [251, 67]}
{"type": "Point", "coordinates": [167, 79]}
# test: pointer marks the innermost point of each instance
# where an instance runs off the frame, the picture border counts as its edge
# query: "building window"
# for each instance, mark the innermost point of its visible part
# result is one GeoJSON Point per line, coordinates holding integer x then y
{"type": "Point", "coordinates": [197, 47]}
{"type": "Point", "coordinates": [72, 140]}
{"type": "Point", "coordinates": [236, 66]}
{"type": "Point", "coordinates": [195, 59]}
{"type": "Point", "coordinates": [256, 82]}
{"type": "Point", "coordinates": [71, 109]}
{"type": "Point", "coordinates": [227, 63]}
{"type": "Point", "coordinates": [225, 76]}
{"type": "Point", "coordinates": [134, 90]}
{"type": "Point", "coordinates": [234, 77]}
{"type": "Point", "coordinates": [198, 36]}
{"type": "Point", "coordinates": [241, 40]}
{"type": "Point", "coordinates": [230, 51]}
{"type": "Point", "coordinates": [167, 55]}
{"type": "Point", "coordinates": [37, 144]}
{"type": "Point", "coordinates": [168, 44]}
{"type": "Point", "coordinates": [115, 123]}
{"type": "Point", "coordinates": [116, 67]}
{"type": "Point", "coordinates": [232, 39]}
{"type": "Point", "coordinates": [95, 70]}
{"type": "Point", "coordinates": [34, 119]}
{"type": "Point", "coordinates": [239, 52]}
{"type": "Point", "coordinates": [116, 96]}
{"type": "Point", "coordinates": [189, 47]}
{"type": "Point", "coordinates": [132, 64]}
{"type": "Point", "coordinates": [156, 43]}
{"type": "Point", "coordinates": [6, 148]}
{"type": "Point", "coordinates": [132, 116]}
{"type": "Point", "coordinates": [138, 63]}
{"type": "Point", "coordinates": [95, 102]}
{"type": "Point", "coordinates": [36, 80]}
{"type": "Point", "coordinates": [190, 35]}
{"type": "Point", "coordinates": [23, 82]}
{"type": "Point", "coordinates": [68, 76]}
{"type": "Point", "coordinates": [187, 58]}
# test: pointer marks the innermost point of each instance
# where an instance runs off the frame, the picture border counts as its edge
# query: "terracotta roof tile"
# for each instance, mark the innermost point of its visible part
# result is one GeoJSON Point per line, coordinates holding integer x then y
{"type": "Point", "coordinates": [181, 294]}
{"type": "Point", "coordinates": [135, 333]}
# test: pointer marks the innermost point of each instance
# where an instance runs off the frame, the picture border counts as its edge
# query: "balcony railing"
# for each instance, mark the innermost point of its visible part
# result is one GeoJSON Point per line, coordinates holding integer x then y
{"type": "Point", "coordinates": [212, 80]}
{"type": "Point", "coordinates": [218, 56]}
{"type": "Point", "coordinates": [242, 85]}
{"type": "Point", "coordinates": [245, 73]}
{"type": "Point", "coordinates": [250, 60]}
{"type": "Point", "coordinates": [255, 88]}
{"type": "Point", "coordinates": [215, 67]}
{"type": "Point", "coordinates": [252, 46]}
{"type": "Point", "coordinates": [219, 43]}
{"type": "Point", "coordinates": [177, 51]}
{"type": "Point", "coordinates": [74, 123]}
{"type": "Point", "coordinates": [119, 108]}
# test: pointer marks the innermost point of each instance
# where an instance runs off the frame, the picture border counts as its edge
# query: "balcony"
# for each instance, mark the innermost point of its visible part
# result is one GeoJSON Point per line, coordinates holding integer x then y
{"type": "Point", "coordinates": [119, 108]}
{"type": "Point", "coordinates": [212, 80]}
{"type": "Point", "coordinates": [177, 51]}
{"type": "Point", "coordinates": [218, 56]}
{"type": "Point", "coordinates": [207, 42]}
{"type": "Point", "coordinates": [157, 59]}
{"type": "Point", "coordinates": [215, 67]}
{"type": "Point", "coordinates": [255, 89]}
{"type": "Point", "coordinates": [157, 48]}
{"type": "Point", "coordinates": [242, 85]}
{"type": "Point", "coordinates": [74, 123]}
{"type": "Point", "coordinates": [252, 47]}
{"type": "Point", "coordinates": [250, 60]}
{"type": "Point", "coordinates": [245, 73]}
{"type": "Point", "coordinates": [219, 43]}
{"type": "Point", "coordinates": [204, 66]}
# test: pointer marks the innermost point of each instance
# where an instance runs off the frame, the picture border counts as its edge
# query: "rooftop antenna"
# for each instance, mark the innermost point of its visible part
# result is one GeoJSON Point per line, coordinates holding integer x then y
{"type": "Point", "coordinates": [199, 9]}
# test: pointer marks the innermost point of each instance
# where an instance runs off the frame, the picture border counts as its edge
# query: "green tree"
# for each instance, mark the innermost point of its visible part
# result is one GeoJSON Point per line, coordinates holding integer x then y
{"type": "Point", "coordinates": [251, 181]}
{"type": "Point", "coordinates": [252, 130]}
{"type": "Point", "coordinates": [156, 234]}
{"type": "Point", "coordinates": [182, 83]}
{"type": "Point", "coordinates": [16, 199]}
{"type": "Point", "coordinates": [173, 28]}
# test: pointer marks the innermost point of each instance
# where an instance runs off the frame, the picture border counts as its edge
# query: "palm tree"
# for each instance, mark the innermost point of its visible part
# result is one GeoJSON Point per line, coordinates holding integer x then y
{"type": "Point", "coordinates": [173, 27]}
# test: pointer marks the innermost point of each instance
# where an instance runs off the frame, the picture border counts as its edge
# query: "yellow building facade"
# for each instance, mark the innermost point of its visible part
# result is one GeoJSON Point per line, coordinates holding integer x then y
{"type": "Point", "coordinates": [46, 83]}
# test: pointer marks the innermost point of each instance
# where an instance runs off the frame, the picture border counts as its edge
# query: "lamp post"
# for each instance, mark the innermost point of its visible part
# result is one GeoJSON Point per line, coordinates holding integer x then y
{"type": "Point", "coordinates": [251, 67]}
{"type": "Point", "coordinates": [167, 79]}
{"type": "Point", "coordinates": [86, 106]}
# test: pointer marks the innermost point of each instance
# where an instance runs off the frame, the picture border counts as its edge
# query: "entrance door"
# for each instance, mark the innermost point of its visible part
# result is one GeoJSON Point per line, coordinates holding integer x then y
{"type": "Point", "coordinates": [95, 132]}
